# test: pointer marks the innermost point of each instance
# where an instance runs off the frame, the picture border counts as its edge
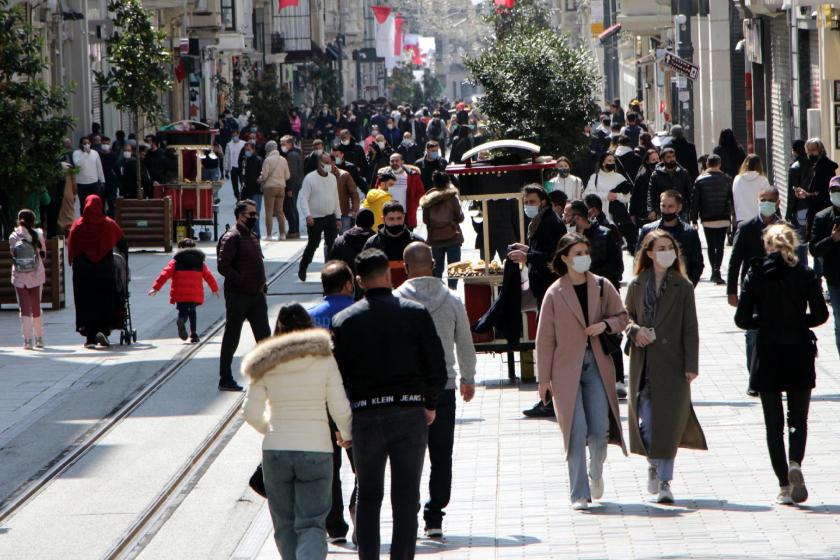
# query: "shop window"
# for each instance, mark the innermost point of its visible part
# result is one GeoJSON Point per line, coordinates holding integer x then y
{"type": "Point", "coordinates": [228, 15]}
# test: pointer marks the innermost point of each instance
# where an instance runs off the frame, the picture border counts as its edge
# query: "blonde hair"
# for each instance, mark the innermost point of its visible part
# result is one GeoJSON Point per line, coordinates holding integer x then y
{"type": "Point", "coordinates": [781, 238]}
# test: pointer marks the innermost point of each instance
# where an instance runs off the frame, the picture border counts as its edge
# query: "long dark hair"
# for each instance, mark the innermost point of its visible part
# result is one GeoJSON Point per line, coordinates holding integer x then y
{"type": "Point", "coordinates": [26, 219]}
{"type": "Point", "coordinates": [563, 247]}
{"type": "Point", "coordinates": [292, 317]}
{"type": "Point", "coordinates": [727, 140]}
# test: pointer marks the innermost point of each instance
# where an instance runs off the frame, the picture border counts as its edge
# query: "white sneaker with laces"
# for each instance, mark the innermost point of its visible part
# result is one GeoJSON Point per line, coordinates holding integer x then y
{"type": "Point", "coordinates": [597, 488]}
{"type": "Point", "coordinates": [798, 491]}
{"type": "Point", "coordinates": [784, 499]}
{"type": "Point", "coordinates": [665, 496]}
{"type": "Point", "coordinates": [653, 480]}
{"type": "Point", "coordinates": [580, 504]}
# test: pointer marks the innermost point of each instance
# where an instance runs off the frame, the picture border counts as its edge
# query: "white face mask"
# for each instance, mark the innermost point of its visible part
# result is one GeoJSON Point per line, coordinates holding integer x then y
{"type": "Point", "coordinates": [127, 155]}
{"type": "Point", "coordinates": [665, 258]}
{"type": "Point", "coordinates": [532, 211]}
{"type": "Point", "coordinates": [327, 168]}
{"type": "Point", "coordinates": [381, 145]}
{"type": "Point", "coordinates": [581, 263]}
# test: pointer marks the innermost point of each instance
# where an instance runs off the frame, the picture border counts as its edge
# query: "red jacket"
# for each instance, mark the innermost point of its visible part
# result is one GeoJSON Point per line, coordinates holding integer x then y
{"type": "Point", "coordinates": [414, 192]}
{"type": "Point", "coordinates": [187, 271]}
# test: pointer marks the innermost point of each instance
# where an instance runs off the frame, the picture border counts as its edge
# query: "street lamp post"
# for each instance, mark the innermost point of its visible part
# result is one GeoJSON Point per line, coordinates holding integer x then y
{"type": "Point", "coordinates": [685, 49]}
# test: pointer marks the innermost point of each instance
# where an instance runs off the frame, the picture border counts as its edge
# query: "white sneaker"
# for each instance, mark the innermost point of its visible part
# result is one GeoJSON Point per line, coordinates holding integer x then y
{"type": "Point", "coordinates": [784, 498]}
{"type": "Point", "coordinates": [27, 344]}
{"type": "Point", "coordinates": [620, 390]}
{"type": "Point", "coordinates": [653, 480]}
{"type": "Point", "coordinates": [39, 342]}
{"type": "Point", "coordinates": [596, 487]}
{"type": "Point", "coordinates": [665, 496]}
{"type": "Point", "coordinates": [580, 505]}
{"type": "Point", "coordinates": [798, 491]}
{"type": "Point", "coordinates": [433, 533]}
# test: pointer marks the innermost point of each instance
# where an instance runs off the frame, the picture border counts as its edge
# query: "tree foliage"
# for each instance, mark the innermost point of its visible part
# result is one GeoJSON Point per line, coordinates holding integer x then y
{"type": "Point", "coordinates": [325, 83]}
{"type": "Point", "coordinates": [524, 14]}
{"type": "Point", "coordinates": [267, 100]}
{"type": "Point", "coordinates": [32, 114]}
{"type": "Point", "coordinates": [138, 62]}
{"type": "Point", "coordinates": [537, 86]}
{"type": "Point", "coordinates": [401, 84]}
{"type": "Point", "coordinates": [432, 87]}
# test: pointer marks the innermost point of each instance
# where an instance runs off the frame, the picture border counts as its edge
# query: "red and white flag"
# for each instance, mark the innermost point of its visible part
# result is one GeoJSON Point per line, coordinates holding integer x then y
{"type": "Point", "coordinates": [504, 3]}
{"type": "Point", "coordinates": [287, 4]}
{"type": "Point", "coordinates": [386, 30]}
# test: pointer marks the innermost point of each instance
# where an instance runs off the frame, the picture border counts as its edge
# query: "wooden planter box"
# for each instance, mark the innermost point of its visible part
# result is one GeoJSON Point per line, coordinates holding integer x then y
{"type": "Point", "coordinates": [53, 292]}
{"type": "Point", "coordinates": [146, 223]}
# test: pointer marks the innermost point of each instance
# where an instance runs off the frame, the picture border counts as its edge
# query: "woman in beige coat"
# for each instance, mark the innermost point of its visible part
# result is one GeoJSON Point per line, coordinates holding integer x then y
{"type": "Point", "coordinates": [663, 360]}
{"type": "Point", "coordinates": [572, 364]}
{"type": "Point", "coordinates": [294, 380]}
{"type": "Point", "coordinates": [275, 173]}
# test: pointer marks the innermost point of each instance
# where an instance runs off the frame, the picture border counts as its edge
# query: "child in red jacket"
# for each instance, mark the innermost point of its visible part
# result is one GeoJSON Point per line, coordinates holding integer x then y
{"type": "Point", "coordinates": [187, 271]}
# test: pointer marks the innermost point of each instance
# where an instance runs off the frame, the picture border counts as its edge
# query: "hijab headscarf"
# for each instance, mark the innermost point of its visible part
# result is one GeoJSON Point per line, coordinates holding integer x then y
{"type": "Point", "coordinates": [94, 234]}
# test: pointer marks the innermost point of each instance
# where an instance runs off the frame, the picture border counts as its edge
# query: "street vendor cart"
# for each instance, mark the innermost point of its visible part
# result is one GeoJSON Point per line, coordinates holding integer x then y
{"type": "Point", "coordinates": [193, 199]}
{"type": "Point", "coordinates": [504, 167]}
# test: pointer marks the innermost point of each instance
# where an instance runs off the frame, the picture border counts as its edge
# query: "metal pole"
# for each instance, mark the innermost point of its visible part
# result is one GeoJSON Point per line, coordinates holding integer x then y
{"type": "Point", "coordinates": [685, 49]}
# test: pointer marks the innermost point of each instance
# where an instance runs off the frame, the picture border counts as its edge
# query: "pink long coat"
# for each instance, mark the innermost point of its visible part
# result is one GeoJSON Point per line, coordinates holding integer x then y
{"type": "Point", "coordinates": [561, 344]}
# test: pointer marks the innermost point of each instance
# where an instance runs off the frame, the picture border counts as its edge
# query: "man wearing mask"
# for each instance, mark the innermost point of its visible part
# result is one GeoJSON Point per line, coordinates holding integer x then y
{"type": "Point", "coordinates": [112, 180]}
{"type": "Point", "coordinates": [232, 151]}
{"type": "Point", "coordinates": [392, 134]}
{"type": "Point", "coordinates": [408, 149]}
{"type": "Point", "coordinates": [747, 245]}
{"type": "Point", "coordinates": [408, 188]}
{"type": "Point", "coordinates": [411, 124]}
{"type": "Point", "coordinates": [713, 205]}
{"type": "Point", "coordinates": [429, 163]}
{"type": "Point", "coordinates": [91, 177]}
{"type": "Point", "coordinates": [817, 192]}
{"type": "Point", "coordinates": [339, 154]}
{"type": "Point", "coordinates": [310, 164]}
{"type": "Point", "coordinates": [319, 203]}
{"type": "Point", "coordinates": [393, 236]}
{"type": "Point", "coordinates": [378, 156]}
{"type": "Point", "coordinates": [354, 153]}
{"type": "Point", "coordinates": [155, 160]}
{"type": "Point", "coordinates": [670, 210]}
{"type": "Point", "coordinates": [251, 169]}
{"type": "Point", "coordinates": [240, 261]}
{"type": "Point", "coordinates": [825, 244]}
{"type": "Point", "coordinates": [348, 193]}
{"type": "Point", "coordinates": [290, 207]}
{"type": "Point", "coordinates": [799, 179]}
{"type": "Point", "coordinates": [669, 176]}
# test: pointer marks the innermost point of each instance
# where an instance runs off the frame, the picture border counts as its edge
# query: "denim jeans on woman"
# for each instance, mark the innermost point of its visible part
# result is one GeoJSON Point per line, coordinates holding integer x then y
{"type": "Point", "coordinates": [590, 428]}
{"type": "Point", "coordinates": [664, 467]}
{"type": "Point", "coordinates": [298, 485]}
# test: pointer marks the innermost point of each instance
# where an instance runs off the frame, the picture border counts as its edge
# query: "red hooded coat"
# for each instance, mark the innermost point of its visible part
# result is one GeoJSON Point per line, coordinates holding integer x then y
{"type": "Point", "coordinates": [187, 271]}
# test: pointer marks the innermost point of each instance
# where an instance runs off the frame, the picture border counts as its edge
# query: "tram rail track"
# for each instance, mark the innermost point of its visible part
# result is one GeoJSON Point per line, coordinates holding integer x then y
{"type": "Point", "coordinates": [130, 543]}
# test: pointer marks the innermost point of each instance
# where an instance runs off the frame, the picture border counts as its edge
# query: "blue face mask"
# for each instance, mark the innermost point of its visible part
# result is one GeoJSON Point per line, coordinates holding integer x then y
{"type": "Point", "coordinates": [767, 208]}
{"type": "Point", "coordinates": [532, 211]}
{"type": "Point", "coordinates": [835, 198]}
{"type": "Point", "coordinates": [434, 155]}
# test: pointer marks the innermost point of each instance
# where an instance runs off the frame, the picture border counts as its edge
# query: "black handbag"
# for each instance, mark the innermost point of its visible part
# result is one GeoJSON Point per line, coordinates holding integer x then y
{"type": "Point", "coordinates": [256, 482]}
{"type": "Point", "coordinates": [609, 342]}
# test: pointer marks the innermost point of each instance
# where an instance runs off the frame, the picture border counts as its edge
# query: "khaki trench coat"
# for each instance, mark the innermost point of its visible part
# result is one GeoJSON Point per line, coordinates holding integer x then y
{"type": "Point", "coordinates": [561, 345]}
{"type": "Point", "coordinates": [674, 352]}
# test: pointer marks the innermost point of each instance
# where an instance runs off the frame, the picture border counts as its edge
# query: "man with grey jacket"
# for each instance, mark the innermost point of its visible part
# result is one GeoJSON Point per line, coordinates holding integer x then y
{"type": "Point", "coordinates": [453, 329]}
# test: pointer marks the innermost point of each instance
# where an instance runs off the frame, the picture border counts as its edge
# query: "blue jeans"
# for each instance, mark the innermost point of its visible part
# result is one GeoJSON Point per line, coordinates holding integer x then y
{"type": "Point", "coordinates": [834, 295]}
{"type": "Point", "coordinates": [298, 485]}
{"type": "Point", "coordinates": [346, 223]}
{"type": "Point", "coordinates": [257, 198]}
{"type": "Point", "coordinates": [590, 428]}
{"type": "Point", "coordinates": [213, 174]}
{"type": "Point", "coordinates": [664, 467]}
{"type": "Point", "coordinates": [451, 254]}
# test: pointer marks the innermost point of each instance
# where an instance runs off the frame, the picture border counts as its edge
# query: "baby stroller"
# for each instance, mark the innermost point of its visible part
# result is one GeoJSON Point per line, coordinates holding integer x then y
{"type": "Point", "coordinates": [122, 320]}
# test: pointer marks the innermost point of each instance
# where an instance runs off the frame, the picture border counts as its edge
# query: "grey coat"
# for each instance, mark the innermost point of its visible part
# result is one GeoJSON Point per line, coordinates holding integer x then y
{"type": "Point", "coordinates": [674, 353]}
{"type": "Point", "coordinates": [451, 323]}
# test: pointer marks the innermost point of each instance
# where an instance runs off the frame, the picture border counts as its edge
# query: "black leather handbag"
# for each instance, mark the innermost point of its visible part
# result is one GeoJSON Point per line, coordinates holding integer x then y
{"type": "Point", "coordinates": [256, 481]}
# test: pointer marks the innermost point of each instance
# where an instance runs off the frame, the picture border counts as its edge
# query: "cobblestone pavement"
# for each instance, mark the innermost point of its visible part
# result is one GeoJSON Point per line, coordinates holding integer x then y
{"type": "Point", "coordinates": [510, 494]}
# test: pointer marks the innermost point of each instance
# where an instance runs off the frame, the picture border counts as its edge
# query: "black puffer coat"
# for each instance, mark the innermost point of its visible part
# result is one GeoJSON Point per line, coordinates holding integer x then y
{"type": "Point", "coordinates": [712, 198]}
{"type": "Point", "coordinates": [662, 181]}
{"type": "Point", "coordinates": [605, 251]}
{"type": "Point", "coordinates": [783, 303]}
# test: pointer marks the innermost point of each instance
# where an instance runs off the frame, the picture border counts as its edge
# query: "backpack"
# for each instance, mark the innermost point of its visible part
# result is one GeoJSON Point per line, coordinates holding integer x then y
{"type": "Point", "coordinates": [435, 128]}
{"type": "Point", "coordinates": [25, 256]}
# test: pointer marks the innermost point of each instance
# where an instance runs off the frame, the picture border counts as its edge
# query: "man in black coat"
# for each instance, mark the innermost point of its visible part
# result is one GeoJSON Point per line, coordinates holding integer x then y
{"type": "Point", "coordinates": [669, 176]}
{"type": "Point", "coordinates": [686, 152]}
{"type": "Point", "coordinates": [353, 152]}
{"type": "Point", "coordinates": [670, 207]}
{"type": "Point", "coordinates": [747, 246]}
{"type": "Point", "coordinates": [393, 383]}
{"type": "Point", "coordinates": [393, 235]}
{"type": "Point", "coordinates": [339, 153]}
{"type": "Point", "coordinates": [310, 163]}
{"type": "Point", "coordinates": [823, 171]}
{"type": "Point", "coordinates": [825, 244]}
{"type": "Point", "coordinates": [712, 203]}
{"type": "Point", "coordinates": [544, 231]}
{"type": "Point", "coordinates": [432, 161]}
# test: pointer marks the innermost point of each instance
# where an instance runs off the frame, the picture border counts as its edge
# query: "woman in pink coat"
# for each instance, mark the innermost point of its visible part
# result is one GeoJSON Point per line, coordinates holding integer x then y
{"type": "Point", "coordinates": [572, 364]}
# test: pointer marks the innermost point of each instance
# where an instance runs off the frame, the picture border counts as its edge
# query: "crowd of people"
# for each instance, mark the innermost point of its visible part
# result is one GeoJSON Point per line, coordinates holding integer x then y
{"type": "Point", "coordinates": [318, 390]}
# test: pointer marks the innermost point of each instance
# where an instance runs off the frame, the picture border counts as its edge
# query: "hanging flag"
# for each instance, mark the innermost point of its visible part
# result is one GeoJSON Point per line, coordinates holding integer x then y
{"type": "Point", "coordinates": [181, 70]}
{"type": "Point", "coordinates": [398, 35]}
{"type": "Point", "coordinates": [386, 30]}
{"type": "Point", "coordinates": [287, 4]}
{"type": "Point", "coordinates": [411, 44]}
{"type": "Point", "coordinates": [504, 3]}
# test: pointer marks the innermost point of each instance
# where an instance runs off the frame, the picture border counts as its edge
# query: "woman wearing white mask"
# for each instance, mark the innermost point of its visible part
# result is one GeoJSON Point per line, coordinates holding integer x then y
{"type": "Point", "coordinates": [663, 360]}
{"type": "Point", "coordinates": [572, 363]}
{"type": "Point", "coordinates": [746, 187]}
{"type": "Point", "coordinates": [565, 181]}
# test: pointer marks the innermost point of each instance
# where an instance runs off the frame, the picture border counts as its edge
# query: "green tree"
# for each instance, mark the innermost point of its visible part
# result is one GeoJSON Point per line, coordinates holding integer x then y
{"type": "Point", "coordinates": [524, 14]}
{"type": "Point", "coordinates": [138, 66]}
{"type": "Point", "coordinates": [537, 86]}
{"type": "Point", "coordinates": [267, 100]}
{"type": "Point", "coordinates": [401, 84]}
{"type": "Point", "coordinates": [432, 87]}
{"type": "Point", "coordinates": [325, 83]}
{"type": "Point", "coordinates": [32, 119]}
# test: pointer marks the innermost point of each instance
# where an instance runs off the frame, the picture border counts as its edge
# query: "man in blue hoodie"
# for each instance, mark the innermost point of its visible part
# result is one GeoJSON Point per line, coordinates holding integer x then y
{"type": "Point", "coordinates": [337, 281]}
{"type": "Point", "coordinates": [453, 327]}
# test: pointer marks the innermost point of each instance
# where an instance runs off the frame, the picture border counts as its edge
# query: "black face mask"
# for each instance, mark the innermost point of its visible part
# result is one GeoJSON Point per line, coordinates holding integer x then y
{"type": "Point", "coordinates": [395, 230]}
{"type": "Point", "coordinates": [668, 216]}
{"type": "Point", "coordinates": [563, 173]}
{"type": "Point", "coordinates": [651, 165]}
{"type": "Point", "coordinates": [250, 222]}
{"type": "Point", "coordinates": [671, 164]}
{"type": "Point", "coordinates": [609, 167]}
{"type": "Point", "coordinates": [813, 158]}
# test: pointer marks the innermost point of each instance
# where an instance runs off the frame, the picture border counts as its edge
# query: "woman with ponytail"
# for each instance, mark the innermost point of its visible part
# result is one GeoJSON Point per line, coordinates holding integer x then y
{"type": "Point", "coordinates": [28, 250]}
{"type": "Point", "coordinates": [783, 300]}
